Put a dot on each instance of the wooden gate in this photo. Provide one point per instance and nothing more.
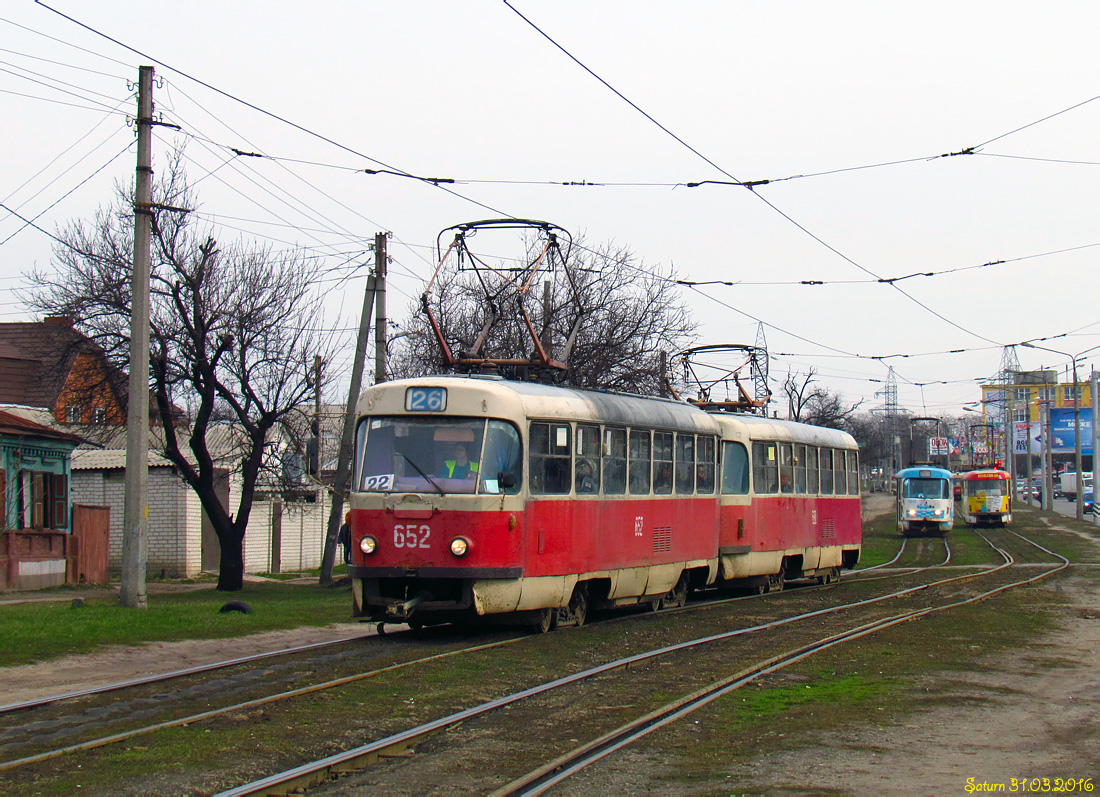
(92, 533)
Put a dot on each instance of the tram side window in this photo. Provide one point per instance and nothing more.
(640, 461)
(765, 467)
(800, 469)
(704, 468)
(587, 465)
(685, 464)
(614, 461)
(812, 479)
(853, 472)
(840, 483)
(786, 468)
(735, 469)
(662, 463)
(550, 463)
(502, 466)
(826, 471)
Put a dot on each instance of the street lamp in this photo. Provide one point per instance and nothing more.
(1076, 426)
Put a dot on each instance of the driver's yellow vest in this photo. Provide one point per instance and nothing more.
(471, 467)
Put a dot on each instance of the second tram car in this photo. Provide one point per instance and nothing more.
(477, 498)
(986, 497)
(925, 500)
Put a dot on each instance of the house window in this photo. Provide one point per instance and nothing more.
(1071, 392)
(99, 415)
(73, 413)
(1022, 394)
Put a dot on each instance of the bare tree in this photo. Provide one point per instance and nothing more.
(234, 331)
(828, 409)
(628, 314)
(815, 405)
(797, 390)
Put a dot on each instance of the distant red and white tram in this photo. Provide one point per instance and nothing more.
(478, 499)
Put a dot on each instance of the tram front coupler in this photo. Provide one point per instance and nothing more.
(404, 611)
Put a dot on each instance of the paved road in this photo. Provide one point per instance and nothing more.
(1068, 508)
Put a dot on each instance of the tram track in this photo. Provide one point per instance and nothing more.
(955, 595)
(38, 728)
(176, 674)
(84, 717)
(65, 725)
(390, 745)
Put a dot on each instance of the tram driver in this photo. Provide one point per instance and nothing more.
(459, 466)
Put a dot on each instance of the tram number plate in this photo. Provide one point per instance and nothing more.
(378, 483)
(411, 535)
(425, 399)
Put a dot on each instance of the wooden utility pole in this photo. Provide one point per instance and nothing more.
(343, 463)
(136, 506)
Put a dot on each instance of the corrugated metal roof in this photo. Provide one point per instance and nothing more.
(111, 459)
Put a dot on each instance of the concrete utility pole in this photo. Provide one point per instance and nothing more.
(1095, 442)
(380, 338)
(1077, 443)
(136, 497)
(343, 463)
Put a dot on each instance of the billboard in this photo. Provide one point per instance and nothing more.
(1062, 428)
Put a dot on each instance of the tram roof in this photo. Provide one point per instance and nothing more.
(927, 471)
(569, 403)
(761, 428)
(985, 473)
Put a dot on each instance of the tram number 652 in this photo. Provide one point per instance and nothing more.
(411, 536)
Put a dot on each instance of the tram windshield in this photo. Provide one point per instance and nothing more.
(408, 454)
(927, 488)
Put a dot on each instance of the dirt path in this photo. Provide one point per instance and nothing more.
(121, 663)
(1034, 715)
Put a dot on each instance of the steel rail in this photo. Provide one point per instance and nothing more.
(152, 679)
(103, 741)
(316, 772)
(554, 772)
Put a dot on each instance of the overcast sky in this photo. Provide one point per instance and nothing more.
(856, 98)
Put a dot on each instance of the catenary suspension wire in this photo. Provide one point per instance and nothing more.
(763, 199)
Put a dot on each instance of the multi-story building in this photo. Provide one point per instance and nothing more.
(1029, 392)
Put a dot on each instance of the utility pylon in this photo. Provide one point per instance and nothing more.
(889, 395)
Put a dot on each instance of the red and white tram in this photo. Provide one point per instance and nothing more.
(477, 498)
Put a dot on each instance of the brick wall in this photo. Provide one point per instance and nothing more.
(303, 535)
(175, 532)
(175, 524)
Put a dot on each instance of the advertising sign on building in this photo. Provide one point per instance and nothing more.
(1023, 433)
(1062, 431)
(938, 446)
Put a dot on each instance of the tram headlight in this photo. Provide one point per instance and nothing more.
(368, 545)
(460, 546)
(938, 513)
(912, 513)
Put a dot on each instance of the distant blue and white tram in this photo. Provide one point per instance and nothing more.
(925, 500)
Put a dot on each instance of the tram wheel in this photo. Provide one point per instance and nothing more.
(577, 610)
(547, 621)
(678, 596)
(775, 582)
